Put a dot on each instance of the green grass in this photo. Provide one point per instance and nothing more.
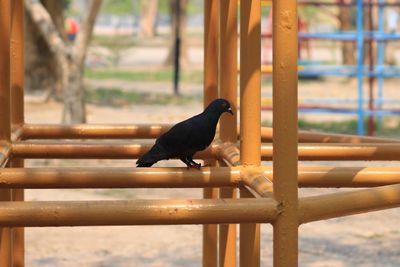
(193, 76)
(113, 43)
(117, 98)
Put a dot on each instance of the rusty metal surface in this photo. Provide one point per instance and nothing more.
(136, 212)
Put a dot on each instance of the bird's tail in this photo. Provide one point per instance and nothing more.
(149, 158)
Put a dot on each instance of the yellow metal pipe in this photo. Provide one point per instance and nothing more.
(210, 234)
(78, 131)
(285, 47)
(317, 137)
(88, 150)
(255, 178)
(347, 176)
(336, 151)
(228, 67)
(5, 118)
(229, 152)
(211, 8)
(322, 176)
(136, 212)
(5, 25)
(227, 234)
(17, 64)
(348, 203)
(249, 238)
(17, 114)
(118, 177)
(250, 81)
(5, 153)
(250, 114)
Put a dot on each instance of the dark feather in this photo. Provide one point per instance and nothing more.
(186, 138)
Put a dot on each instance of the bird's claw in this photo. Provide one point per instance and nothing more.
(194, 165)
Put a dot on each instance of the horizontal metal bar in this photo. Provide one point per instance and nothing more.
(350, 35)
(342, 151)
(318, 176)
(324, 207)
(323, 176)
(5, 152)
(118, 177)
(347, 4)
(137, 212)
(79, 131)
(87, 150)
(319, 137)
(347, 176)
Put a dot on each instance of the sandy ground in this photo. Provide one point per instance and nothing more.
(367, 240)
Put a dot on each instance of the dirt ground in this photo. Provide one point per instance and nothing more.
(367, 240)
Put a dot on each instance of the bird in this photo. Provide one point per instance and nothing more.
(187, 137)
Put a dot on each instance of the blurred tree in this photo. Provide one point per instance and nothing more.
(346, 20)
(183, 55)
(148, 14)
(70, 57)
(41, 69)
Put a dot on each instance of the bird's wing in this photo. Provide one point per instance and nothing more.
(186, 137)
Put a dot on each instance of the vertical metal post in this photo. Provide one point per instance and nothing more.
(371, 78)
(380, 57)
(5, 122)
(360, 65)
(210, 231)
(285, 131)
(250, 114)
(17, 112)
(228, 90)
(249, 239)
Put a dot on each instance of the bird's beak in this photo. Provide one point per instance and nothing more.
(230, 110)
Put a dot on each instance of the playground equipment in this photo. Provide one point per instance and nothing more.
(371, 69)
(267, 195)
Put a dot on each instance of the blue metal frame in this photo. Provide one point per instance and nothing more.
(380, 71)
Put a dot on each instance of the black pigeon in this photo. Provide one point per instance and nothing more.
(184, 139)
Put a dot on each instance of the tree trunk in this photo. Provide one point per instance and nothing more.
(69, 59)
(348, 48)
(184, 58)
(148, 14)
(41, 69)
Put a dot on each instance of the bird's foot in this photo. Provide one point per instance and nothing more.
(193, 165)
